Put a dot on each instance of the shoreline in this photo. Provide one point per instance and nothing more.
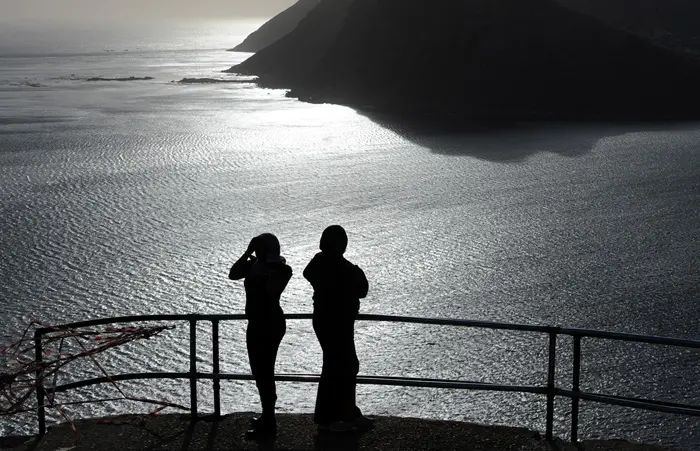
(463, 116)
(297, 432)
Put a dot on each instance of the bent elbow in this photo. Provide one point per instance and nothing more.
(309, 273)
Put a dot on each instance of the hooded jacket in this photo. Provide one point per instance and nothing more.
(338, 284)
(264, 284)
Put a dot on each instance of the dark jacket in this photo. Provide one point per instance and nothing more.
(264, 284)
(338, 284)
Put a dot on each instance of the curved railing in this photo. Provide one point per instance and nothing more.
(549, 389)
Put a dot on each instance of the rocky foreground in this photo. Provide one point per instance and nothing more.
(297, 432)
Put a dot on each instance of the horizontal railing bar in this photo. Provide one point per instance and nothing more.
(118, 378)
(397, 381)
(428, 383)
(631, 337)
(365, 380)
(458, 322)
(651, 401)
(302, 316)
(400, 319)
(659, 406)
(656, 406)
(116, 319)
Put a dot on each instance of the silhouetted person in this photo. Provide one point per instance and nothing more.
(266, 276)
(338, 287)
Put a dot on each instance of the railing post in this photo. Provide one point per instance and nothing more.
(217, 383)
(551, 373)
(193, 367)
(575, 387)
(39, 356)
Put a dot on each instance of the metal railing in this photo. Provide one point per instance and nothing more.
(550, 390)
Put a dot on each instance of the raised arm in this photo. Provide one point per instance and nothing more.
(240, 269)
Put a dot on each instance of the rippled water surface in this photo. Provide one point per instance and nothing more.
(135, 197)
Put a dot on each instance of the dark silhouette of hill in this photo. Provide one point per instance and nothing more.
(277, 27)
(289, 60)
(675, 23)
(668, 22)
(505, 59)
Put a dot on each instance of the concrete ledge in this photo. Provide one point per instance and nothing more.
(297, 432)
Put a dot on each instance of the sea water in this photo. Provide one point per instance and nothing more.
(125, 196)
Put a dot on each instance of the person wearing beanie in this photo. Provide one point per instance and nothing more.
(266, 275)
(338, 287)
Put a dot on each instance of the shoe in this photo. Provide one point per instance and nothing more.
(363, 423)
(342, 426)
(256, 420)
(261, 429)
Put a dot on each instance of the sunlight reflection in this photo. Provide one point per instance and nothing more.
(305, 114)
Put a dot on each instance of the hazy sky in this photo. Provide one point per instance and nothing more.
(121, 10)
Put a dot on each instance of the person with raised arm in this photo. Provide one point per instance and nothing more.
(265, 277)
(338, 287)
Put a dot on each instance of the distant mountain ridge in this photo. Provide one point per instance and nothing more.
(277, 27)
(479, 58)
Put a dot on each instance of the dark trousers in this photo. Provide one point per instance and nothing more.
(263, 339)
(335, 400)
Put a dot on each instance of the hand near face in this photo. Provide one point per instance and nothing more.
(251, 247)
